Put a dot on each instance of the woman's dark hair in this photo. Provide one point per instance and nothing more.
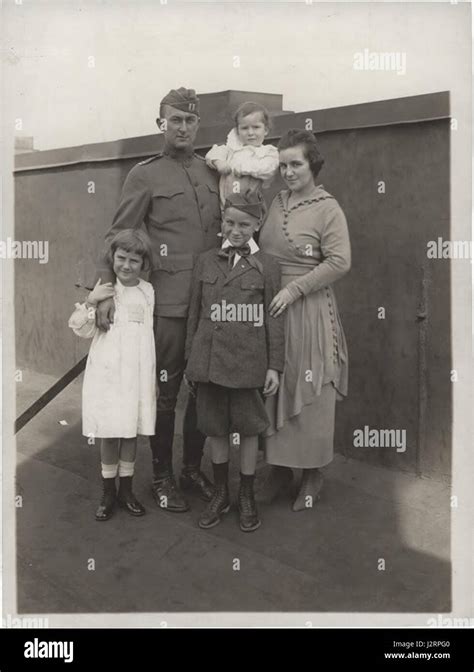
(132, 240)
(249, 108)
(306, 139)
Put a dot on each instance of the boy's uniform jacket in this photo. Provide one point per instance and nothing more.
(233, 354)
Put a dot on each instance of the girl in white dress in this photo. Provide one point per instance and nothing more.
(119, 390)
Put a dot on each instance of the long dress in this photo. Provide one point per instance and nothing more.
(119, 389)
(311, 242)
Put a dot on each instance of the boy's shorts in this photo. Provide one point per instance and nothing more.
(224, 410)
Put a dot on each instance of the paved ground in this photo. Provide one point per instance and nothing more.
(320, 560)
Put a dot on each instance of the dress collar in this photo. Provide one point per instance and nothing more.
(145, 288)
(318, 194)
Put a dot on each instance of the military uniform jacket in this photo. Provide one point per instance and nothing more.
(178, 201)
(234, 353)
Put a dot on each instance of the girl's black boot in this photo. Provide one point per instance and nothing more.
(108, 501)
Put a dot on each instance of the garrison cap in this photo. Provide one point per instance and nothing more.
(250, 202)
(183, 99)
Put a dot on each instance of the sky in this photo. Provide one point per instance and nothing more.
(92, 71)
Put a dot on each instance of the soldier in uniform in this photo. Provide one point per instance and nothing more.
(176, 196)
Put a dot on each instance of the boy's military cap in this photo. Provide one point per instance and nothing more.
(249, 202)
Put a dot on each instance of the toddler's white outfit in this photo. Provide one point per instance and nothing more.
(258, 163)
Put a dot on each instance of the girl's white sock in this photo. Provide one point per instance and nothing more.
(109, 470)
(126, 468)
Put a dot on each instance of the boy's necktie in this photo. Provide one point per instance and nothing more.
(230, 252)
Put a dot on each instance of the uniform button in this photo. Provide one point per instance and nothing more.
(217, 327)
(202, 206)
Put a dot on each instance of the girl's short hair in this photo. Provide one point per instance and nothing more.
(307, 140)
(249, 108)
(131, 240)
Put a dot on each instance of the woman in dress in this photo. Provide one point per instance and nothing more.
(306, 231)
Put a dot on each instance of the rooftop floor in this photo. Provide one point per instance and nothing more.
(322, 560)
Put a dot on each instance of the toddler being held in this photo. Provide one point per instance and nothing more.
(244, 159)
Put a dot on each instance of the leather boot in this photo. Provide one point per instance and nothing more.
(108, 501)
(220, 502)
(192, 480)
(310, 488)
(126, 499)
(278, 480)
(249, 520)
(165, 491)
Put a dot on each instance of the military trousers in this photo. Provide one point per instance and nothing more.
(170, 338)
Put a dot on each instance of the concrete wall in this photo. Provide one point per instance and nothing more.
(399, 366)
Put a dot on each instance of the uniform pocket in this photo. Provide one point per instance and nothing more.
(208, 277)
(168, 204)
(167, 192)
(251, 282)
(171, 279)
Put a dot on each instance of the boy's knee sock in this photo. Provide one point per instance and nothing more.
(247, 482)
(221, 472)
(126, 469)
(109, 470)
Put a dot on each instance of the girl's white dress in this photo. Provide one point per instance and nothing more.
(259, 165)
(119, 390)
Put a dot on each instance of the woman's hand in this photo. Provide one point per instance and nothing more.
(272, 381)
(280, 302)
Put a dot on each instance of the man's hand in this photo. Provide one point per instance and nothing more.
(190, 385)
(104, 315)
(272, 381)
(223, 167)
